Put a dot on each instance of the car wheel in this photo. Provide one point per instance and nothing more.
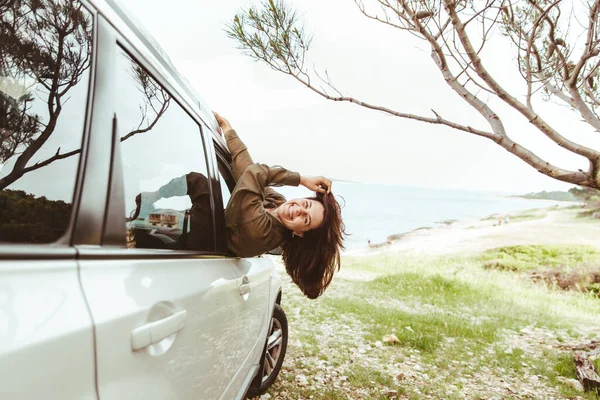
(273, 354)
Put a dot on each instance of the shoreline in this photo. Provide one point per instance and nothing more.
(556, 224)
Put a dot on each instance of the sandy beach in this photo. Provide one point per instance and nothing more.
(553, 225)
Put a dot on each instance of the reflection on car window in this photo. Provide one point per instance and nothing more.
(225, 192)
(44, 78)
(167, 193)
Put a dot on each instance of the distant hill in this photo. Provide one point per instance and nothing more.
(554, 195)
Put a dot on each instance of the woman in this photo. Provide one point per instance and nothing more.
(310, 230)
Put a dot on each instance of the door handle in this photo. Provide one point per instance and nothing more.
(245, 287)
(153, 332)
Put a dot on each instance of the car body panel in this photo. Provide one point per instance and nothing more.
(252, 312)
(126, 294)
(46, 335)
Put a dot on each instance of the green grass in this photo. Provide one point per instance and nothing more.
(445, 313)
(564, 366)
(525, 258)
(310, 344)
(476, 312)
(422, 332)
(365, 377)
(565, 267)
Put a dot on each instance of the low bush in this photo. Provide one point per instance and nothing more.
(566, 267)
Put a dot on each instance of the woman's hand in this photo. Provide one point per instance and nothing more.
(223, 123)
(316, 183)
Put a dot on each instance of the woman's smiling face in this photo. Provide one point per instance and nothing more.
(301, 215)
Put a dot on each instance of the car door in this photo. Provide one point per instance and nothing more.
(163, 306)
(46, 333)
(254, 276)
(253, 308)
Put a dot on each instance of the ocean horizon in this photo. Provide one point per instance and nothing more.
(375, 211)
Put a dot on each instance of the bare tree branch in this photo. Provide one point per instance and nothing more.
(535, 119)
(264, 34)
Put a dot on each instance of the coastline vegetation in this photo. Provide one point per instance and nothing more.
(498, 324)
(463, 331)
(552, 195)
(590, 199)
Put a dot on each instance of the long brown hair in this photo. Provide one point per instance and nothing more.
(311, 260)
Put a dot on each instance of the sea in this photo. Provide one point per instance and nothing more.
(375, 211)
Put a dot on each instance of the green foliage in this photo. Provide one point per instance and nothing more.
(524, 258)
(27, 219)
(584, 193)
(271, 33)
(594, 288)
(591, 199)
(45, 45)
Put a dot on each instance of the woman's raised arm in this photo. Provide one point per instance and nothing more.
(240, 157)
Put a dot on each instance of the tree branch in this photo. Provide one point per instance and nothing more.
(424, 19)
(134, 132)
(438, 120)
(50, 160)
(532, 117)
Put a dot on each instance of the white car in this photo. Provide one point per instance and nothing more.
(115, 280)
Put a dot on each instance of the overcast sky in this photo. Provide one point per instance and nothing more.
(284, 123)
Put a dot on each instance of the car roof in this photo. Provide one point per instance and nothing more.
(125, 22)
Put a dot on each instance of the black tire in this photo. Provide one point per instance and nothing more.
(273, 354)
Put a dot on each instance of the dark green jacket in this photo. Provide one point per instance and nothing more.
(251, 229)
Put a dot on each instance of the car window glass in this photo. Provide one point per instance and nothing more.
(167, 193)
(225, 192)
(44, 81)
